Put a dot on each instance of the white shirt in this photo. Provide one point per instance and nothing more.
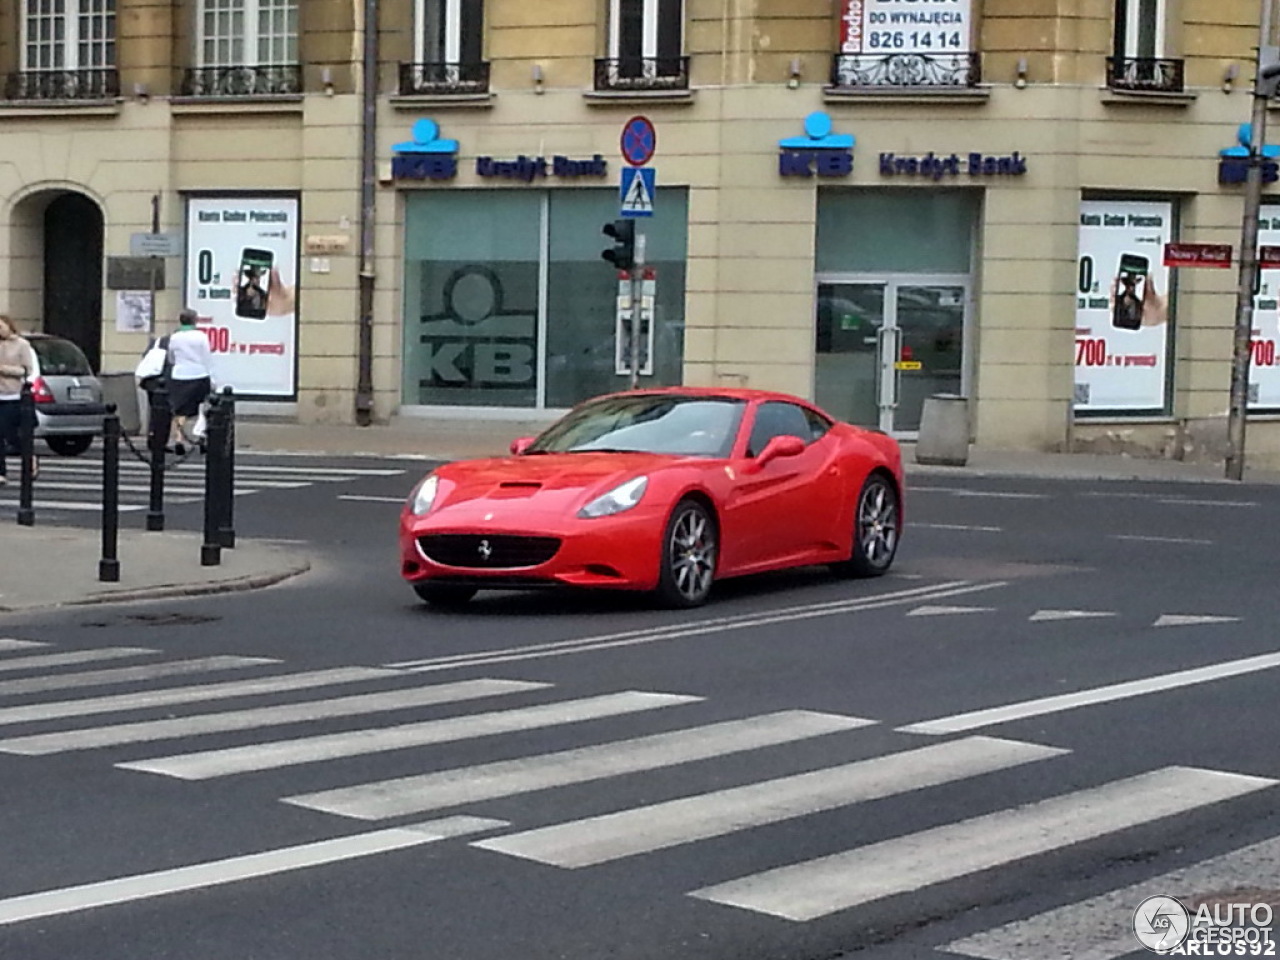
(192, 358)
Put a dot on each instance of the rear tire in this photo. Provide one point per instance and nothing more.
(690, 549)
(69, 446)
(876, 529)
(444, 594)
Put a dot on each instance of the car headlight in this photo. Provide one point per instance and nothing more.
(424, 496)
(620, 498)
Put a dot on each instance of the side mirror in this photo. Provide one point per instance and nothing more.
(784, 446)
(520, 445)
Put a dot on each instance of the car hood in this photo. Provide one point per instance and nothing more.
(556, 482)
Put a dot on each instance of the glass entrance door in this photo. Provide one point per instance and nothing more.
(886, 344)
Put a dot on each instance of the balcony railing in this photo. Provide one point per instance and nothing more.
(101, 83)
(1145, 74)
(852, 71)
(629, 74)
(242, 81)
(444, 79)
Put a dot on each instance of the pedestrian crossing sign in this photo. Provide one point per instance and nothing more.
(637, 191)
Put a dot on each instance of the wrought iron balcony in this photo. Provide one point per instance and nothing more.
(242, 81)
(909, 70)
(1145, 74)
(101, 83)
(629, 74)
(444, 79)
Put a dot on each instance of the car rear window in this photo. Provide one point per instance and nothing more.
(60, 358)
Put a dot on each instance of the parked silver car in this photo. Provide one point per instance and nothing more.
(69, 407)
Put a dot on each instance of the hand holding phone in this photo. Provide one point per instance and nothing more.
(1129, 291)
(253, 283)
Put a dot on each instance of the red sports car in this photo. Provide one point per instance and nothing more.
(662, 490)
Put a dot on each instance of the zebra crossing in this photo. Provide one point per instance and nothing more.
(507, 809)
(75, 484)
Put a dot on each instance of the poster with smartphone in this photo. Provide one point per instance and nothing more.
(1264, 364)
(241, 277)
(1122, 307)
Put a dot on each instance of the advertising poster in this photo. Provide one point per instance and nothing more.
(1122, 306)
(884, 27)
(1264, 365)
(241, 277)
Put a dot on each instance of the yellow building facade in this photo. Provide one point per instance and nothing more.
(864, 202)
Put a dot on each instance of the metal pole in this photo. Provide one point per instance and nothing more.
(227, 480)
(109, 565)
(26, 456)
(1241, 348)
(160, 419)
(156, 262)
(211, 549)
(637, 290)
(368, 200)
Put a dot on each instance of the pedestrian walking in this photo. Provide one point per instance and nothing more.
(17, 365)
(191, 379)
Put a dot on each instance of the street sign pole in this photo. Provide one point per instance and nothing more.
(155, 261)
(637, 272)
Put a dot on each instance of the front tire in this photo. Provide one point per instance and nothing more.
(443, 594)
(69, 446)
(876, 528)
(690, 548)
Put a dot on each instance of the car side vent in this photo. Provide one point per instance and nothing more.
(520, 485)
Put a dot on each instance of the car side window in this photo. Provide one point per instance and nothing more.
(818, 425)
(777, 419)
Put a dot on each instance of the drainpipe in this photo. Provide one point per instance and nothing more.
(368, 200)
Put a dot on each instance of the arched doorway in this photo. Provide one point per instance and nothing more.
(73, 236)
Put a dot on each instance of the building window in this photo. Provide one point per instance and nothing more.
(1138, 61)
(68, 51)
(646, 41)
(448, 49)
(246, 48)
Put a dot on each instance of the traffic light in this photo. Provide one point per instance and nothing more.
(623, 253)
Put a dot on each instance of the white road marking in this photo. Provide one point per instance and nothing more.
(927, 611)
(9, 643)
(98, 678)
(213, 873)
(75, 506)
(820, 887)
(1101, 928)
(696, 628)
(121, 702)
(348, 496)
(43, 660)
(1194, 541)
(582, 843)
(1183, 502)
(957, 526)
(1043, 616)
(207, 764)
(966, 492)
(1190, 620)
(319, 473)
(448, 788)
(1083, 698)
(260, 717)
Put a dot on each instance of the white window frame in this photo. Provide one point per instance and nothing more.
(452, 32)
(245, 45)
(65, 50)
(1134, 28)
(649, 31)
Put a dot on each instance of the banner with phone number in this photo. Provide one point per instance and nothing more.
(241, 276)
(885, 27)
(1122, 298)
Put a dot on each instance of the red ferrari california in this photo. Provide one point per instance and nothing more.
(661, 490)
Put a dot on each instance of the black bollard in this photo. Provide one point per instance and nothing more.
(109, 565)
(161, 418)
(26, 457)
(227, 525)
(214, 467)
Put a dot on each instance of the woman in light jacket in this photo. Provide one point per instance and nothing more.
(17, 365)
(191, 378)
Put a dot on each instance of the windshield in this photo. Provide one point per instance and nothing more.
(60, 358)
(678, 425)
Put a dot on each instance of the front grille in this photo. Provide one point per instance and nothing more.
(493, 552)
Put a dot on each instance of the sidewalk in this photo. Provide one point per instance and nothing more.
(57, 566)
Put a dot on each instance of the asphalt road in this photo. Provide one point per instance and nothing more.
(806, 768)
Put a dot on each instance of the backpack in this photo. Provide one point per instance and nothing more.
(155, 366)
